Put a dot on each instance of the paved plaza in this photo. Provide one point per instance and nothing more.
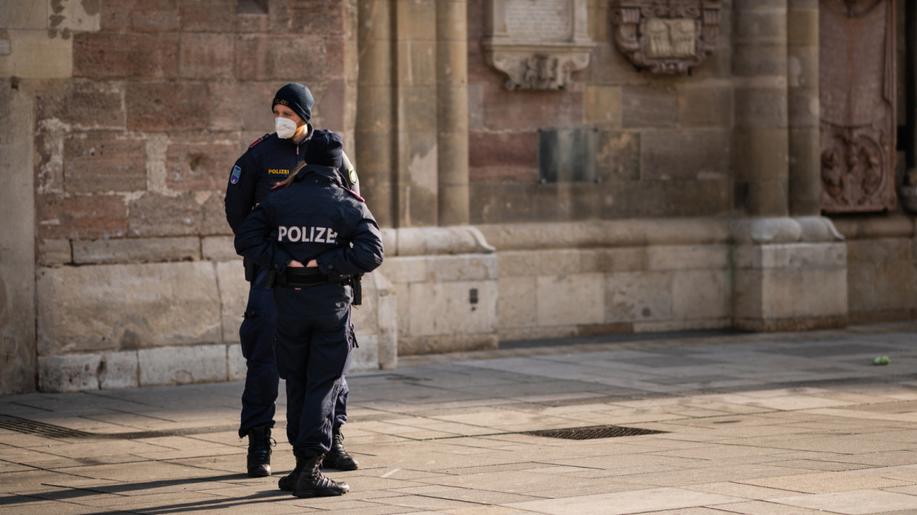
(744, 423)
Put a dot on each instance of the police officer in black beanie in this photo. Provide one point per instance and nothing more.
(268, 161)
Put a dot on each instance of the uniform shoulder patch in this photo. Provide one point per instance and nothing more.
(235, 175)
(259, 140)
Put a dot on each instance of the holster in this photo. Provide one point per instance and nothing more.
(251, 270)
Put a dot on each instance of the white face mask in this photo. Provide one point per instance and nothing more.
(285, 127)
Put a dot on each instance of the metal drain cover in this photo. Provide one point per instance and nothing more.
(591, 432)
(33, 427)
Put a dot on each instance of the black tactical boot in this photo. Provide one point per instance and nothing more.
(288, 482)
(312, 483)
(259, 452)
(338, 457)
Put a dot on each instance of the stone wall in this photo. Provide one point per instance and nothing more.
(662, 143)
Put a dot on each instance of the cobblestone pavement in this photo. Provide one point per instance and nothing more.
(748, 423)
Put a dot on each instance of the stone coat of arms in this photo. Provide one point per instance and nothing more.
(666, 36)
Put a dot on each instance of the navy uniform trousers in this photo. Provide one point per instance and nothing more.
(261, 379)
(314, 340)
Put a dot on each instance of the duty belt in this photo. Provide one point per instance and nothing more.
(304, 277)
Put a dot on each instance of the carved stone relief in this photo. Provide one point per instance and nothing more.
(537, 44)
(666, 36)
(857, 85)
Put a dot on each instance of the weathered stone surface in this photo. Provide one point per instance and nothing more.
(218, 248)
(707, 105)
(213, 214)
(182, 365)
(503, 155)
(434, 269)
(603, 105)
(68, 373)
(35, 55)
(17, 242)
(119, 370)
(688, 257)
(208, 16)
(516, 302)
(685, 154)
(649, 107)
(640, 296)
(103, 162)
(881, 278)
(144, 250)
(121, 307)
(74, 16)
(23, 14)
(617, 155)
(570, 299)
(542, 109)
(81, 216)
(275, 57)
(233, 296)
(241, 105)
(166, 106)
(701, 294)
(794, 285)
(206, 55)
(200, 165)
(160, 215)
(54, 252)
(106, 55)
(448, 308)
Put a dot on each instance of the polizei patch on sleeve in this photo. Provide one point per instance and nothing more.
(306, 234)
(235, 175)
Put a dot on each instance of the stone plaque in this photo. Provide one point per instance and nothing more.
(537, 44)
(666, 36)
(857, 68)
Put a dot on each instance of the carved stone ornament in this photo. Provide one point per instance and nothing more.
(537, 44)
(666, 36)
(857, 93)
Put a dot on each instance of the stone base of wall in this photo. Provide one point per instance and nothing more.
(113, 324)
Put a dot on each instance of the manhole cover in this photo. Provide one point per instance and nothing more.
(591, 432)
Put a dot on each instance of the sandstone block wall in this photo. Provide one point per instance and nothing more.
(663, 144)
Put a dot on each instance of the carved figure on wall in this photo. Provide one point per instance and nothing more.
(857, 105)
(666, 36)
(537, 45)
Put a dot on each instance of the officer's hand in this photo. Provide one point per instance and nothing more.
(312, 264)
(295, 264)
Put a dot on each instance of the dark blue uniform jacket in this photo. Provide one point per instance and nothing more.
(270, 160)
(315, 217)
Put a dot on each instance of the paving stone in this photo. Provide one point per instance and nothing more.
(626, 502)
(858, 501)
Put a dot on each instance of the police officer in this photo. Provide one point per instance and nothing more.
(268, 161)
(314, 219)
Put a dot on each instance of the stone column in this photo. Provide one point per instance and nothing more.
(415, 113)
(761, 139)
(452, 110)
(803, 92)
(788, 273)
(17, 242)
(375, 123)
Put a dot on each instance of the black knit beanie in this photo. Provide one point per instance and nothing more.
(297, 97)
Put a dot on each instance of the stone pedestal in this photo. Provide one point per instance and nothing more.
(789, 275)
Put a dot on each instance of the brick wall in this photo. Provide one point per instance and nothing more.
(165, 95)
(663, 144)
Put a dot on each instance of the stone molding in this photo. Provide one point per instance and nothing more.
(666, 36)
(772, 230)
(431, 241)
(533, 55)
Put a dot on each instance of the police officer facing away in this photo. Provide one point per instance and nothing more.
(269, 160)
(314, 219)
